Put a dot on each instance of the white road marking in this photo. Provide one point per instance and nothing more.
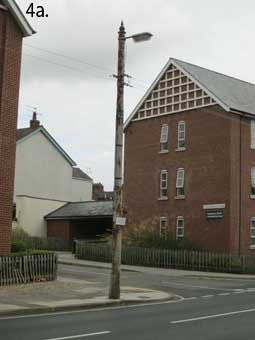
(215, 316)
(191, 298)
(172, 284)
(239, 291)
(207, 296)
(224, 294)
(80, 336)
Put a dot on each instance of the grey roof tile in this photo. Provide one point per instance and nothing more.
(234, 93)
(82, 210)
(80, 174)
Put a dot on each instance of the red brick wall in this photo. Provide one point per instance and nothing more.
(59, 229)
(10, 58)
(248, 204)
(207, 162)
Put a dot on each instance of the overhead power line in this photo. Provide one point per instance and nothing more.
(101, 68)
(142, 84)
(63, 65)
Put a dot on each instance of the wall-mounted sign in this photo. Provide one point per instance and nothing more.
(217, 214)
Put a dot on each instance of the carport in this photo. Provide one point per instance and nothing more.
(80, 220)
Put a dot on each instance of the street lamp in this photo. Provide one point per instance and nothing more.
(118, 220)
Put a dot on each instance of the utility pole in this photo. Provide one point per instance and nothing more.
(118, 220)
(116, 231)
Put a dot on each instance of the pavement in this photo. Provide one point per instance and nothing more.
(170, 304)
(84, 287)
(68, 259)
(69, 293)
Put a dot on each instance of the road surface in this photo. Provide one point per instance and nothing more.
(210, 309)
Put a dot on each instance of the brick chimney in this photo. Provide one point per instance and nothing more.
(34, 123)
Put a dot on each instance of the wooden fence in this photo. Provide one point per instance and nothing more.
(25, 269)
(165, 258)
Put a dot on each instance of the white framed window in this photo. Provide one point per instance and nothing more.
(163, 226)
(180, 182)
(164, 138)
(252, 232)
(179, 227)
(253, 181)
(163, 183)
(252, 134)
(181, 135)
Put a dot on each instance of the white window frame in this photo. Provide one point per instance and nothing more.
(180, 179)
(164, 138)
(252, 232)
(178, 227)
(252, 134)
(163, 183)
(181, 135)
(252, 181)
(163, 229)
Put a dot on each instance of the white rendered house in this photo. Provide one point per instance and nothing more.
(45, 178)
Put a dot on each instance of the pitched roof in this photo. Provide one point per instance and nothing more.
(80, 174)
(23, 134)
(19, 17)
(230, 93)
(236, 94)
(82, 210)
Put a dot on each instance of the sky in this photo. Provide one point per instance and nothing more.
(67, 66)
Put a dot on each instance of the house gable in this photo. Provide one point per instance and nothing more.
(182, 86)
(173, 91)
(24, 134)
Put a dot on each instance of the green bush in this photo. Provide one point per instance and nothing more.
(31, 252)
(32, 242)
(147, 235)
(18, 246)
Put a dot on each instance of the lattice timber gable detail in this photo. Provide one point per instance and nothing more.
(175, 92)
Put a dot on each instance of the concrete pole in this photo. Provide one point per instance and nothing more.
(116, 231)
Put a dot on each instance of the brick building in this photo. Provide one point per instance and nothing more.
(13, 27)
(190, 158)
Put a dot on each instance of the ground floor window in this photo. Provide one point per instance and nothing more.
(163, 226)
(179, 227)
(252, 226)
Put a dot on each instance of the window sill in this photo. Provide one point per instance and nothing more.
(252, 197)
(180, 149)
(180, 197)
(162, 198)
(163, 151)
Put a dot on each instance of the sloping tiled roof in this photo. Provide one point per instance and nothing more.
(80, 174)
(19, 17)
(230, 93)
(82, 210)
(21, 133)
(236, 94)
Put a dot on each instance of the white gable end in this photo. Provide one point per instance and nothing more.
(174, 92)
(41, 170)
